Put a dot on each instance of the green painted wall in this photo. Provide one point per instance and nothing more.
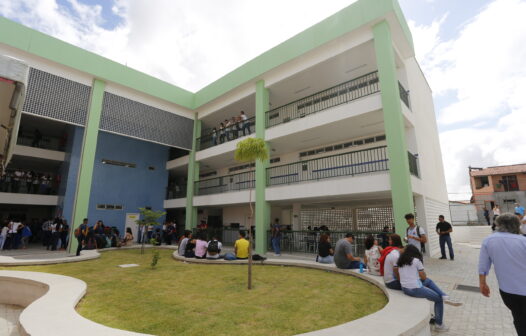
(193, 176)
(401, 190)
(87, 158)
(262, 217)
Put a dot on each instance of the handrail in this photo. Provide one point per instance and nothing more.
(333, 96)
(221, 136)
(344, 164)
(239, 181)
(404, 95)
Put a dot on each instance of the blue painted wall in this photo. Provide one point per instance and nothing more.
(69, 172)
(130, 187)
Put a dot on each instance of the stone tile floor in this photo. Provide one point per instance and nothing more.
(9, 320)
(478, 315)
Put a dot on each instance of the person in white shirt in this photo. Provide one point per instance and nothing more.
(496, 213)
(3, 236)
(410, 272)
(523, 225)
(415, 235)
(389, 259)
(213, 249)
(246, 124)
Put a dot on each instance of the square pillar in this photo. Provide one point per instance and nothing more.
(87, 161)
(193, 177)
(262, 216)
(401, 189)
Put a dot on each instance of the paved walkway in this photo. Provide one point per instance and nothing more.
(9, 320)
(479, 315)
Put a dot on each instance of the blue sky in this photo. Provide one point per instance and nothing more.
(472, 52)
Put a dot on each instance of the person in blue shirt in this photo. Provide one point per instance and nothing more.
(519, 209)
(506, 249)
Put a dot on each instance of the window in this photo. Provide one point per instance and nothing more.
(101, 206)
(380, 138)
(509, 183)
(369, 140)
(481, 182)
(358, 142)
(275, 160)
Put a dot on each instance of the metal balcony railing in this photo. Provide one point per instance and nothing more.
(413, 164)
(337, 95)
(226, 183)
(346, 164)
(176, 191)
(232, 132)
(404, 95)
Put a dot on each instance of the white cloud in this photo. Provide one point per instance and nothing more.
(484, 68)
(189, 43)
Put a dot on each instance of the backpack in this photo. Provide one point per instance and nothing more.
(213, 246)
(422, 243)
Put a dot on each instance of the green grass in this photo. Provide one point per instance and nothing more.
(189, 299)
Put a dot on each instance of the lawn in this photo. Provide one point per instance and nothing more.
(187, 299)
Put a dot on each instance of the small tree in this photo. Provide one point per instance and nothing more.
(251, 150)
(148, 218)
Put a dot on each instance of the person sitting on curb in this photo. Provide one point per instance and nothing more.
(241, 246)
(388, 261)
(182, 243)
(410, 272)
(213, 250)
(343, 257)
(372, 255)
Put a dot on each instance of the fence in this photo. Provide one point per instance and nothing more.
(334, 96)
(351, 163)
(226, 183)
(218, 137)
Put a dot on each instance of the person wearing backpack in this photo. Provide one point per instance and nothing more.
(214, 248)
(415, 235)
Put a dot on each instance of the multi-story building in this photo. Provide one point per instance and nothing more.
(343, 106)
(500, 185)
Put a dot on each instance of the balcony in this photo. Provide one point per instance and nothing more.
(228, 183)
(176, 191)
(346, 164)
(43, 142)
(413, 164)
(334, 96)
(230, 133)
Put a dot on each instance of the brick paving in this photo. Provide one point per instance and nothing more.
(478, 315)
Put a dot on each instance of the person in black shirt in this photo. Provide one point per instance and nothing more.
(444, 229)
(325, 251)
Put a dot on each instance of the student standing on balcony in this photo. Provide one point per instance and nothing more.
(276, 237)
(214, 136)
(221, 133)
(246, 124)
(227, 129)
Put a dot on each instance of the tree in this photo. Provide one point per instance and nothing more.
(251, 150)
(149, 218)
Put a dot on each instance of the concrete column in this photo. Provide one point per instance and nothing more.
(262, 217)
(87, 161)
(193, 176)
(401, 189)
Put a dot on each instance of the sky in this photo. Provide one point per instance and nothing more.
(473, 54)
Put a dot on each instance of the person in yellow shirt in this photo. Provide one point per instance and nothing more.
(241, 246)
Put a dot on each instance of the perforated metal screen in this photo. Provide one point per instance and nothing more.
(128, 117)
(368, 219)
(56, 97)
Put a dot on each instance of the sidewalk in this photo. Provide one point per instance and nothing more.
(478, 315)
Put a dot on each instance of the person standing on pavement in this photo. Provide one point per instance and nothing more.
(486, 215)
(415, 235)
(496, 213)
(519, 209)
(81, 233)
(444, 229)
(506, 249)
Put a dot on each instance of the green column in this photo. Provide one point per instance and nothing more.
(87, 160)
(401, 190)
(193, 176)
(262, 217)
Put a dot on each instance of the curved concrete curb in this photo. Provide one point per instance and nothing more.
(50, 302)
(403, 315)
(84, 255)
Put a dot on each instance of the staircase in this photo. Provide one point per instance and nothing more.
(478, 233)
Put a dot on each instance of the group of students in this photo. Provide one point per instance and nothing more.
(401, 267)
(14, 235)
(29, 182)
(55, 234)
(100, 236)
(231, 129)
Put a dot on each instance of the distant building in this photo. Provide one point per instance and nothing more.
(502, 185)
